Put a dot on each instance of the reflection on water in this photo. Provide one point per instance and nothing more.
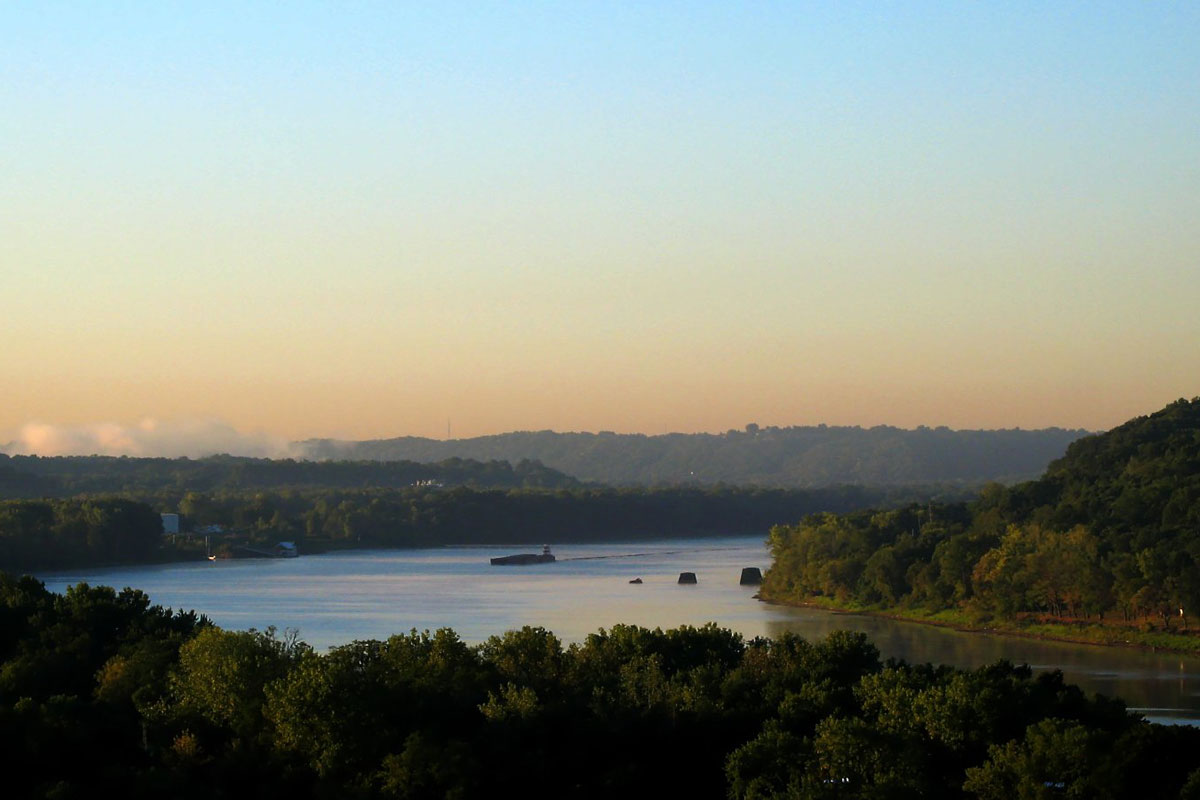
(1162, 686)
(340, 597)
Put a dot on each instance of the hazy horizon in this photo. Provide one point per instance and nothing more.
(199, 438)
(247, 224)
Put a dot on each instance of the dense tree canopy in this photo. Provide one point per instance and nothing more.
(102, 692)
(99, 530)
(1113, 527)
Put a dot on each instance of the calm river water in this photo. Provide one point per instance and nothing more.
(339, 597)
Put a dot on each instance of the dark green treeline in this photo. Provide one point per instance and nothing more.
(36, 534)
(102, 692)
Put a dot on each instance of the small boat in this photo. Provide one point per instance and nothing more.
(520, 559)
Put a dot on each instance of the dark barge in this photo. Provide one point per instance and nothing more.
(520, 559)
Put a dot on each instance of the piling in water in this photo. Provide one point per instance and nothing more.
(751, 576)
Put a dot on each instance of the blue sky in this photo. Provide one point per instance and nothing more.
(361, 219)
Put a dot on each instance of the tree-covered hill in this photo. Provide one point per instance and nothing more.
(1113, 527)
(1143, 474)
(769, 456)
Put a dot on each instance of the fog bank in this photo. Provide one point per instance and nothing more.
(148, 438)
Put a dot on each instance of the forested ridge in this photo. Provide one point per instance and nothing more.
(815, 456)
(67, 476)
(1111, 530)
(102, 693)
(805, 456)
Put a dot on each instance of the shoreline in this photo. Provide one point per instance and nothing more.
(1016, 632)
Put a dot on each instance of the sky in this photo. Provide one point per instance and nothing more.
(361, 220)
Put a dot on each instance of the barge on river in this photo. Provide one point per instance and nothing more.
(521, 559)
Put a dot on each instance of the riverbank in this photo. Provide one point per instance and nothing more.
(1073, 631)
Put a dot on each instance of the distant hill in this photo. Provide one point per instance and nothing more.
(65, 476)
(776, 457)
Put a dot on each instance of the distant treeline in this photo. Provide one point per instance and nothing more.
(40, 533)
(103, 694)
(44, 533)
(766, 456)
(65, 476)
(1111, 528)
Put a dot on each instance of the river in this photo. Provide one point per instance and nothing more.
(340, 597)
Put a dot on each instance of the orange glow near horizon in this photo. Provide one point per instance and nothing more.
(362, 225)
